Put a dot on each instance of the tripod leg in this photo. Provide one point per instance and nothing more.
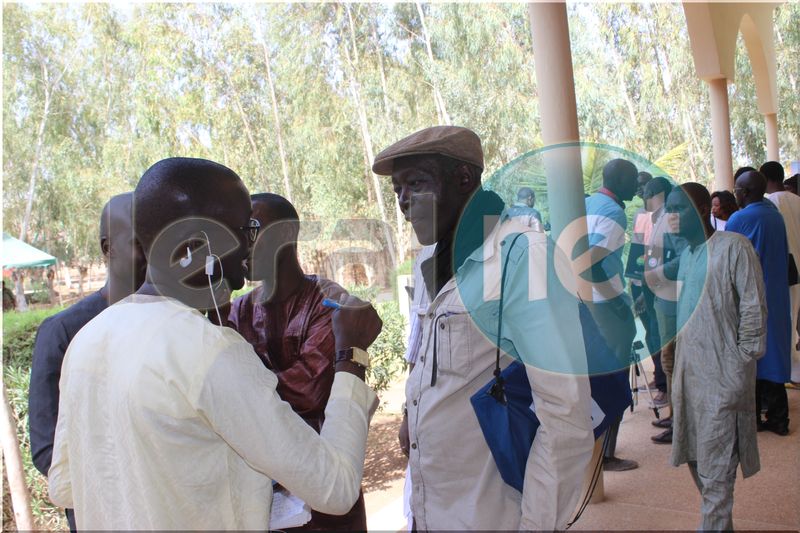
(649, 392)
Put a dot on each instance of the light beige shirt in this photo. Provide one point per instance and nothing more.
(789, 205)
(455, 482)
(167, 421)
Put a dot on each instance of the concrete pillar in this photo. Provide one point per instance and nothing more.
(721, 134)
(558, 114)
(771, 122)
(559, 123)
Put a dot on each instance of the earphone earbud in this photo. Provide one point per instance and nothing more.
(210, 265)
(186, 261)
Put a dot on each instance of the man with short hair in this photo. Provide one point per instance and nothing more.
(713, 386)
(791, 184)
(436, 175)
(611, 306)
(291, 331)
(642, 296)
(660, 272)
(167, 421)
(761, 222)
(789, 206)
(125, 273)
(524, 206)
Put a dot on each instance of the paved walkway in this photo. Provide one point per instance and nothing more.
(654, 496)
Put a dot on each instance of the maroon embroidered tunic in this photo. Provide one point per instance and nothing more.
(294, 338)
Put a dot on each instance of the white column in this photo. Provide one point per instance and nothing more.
(555, 85)
(771, 123)
(721, 134)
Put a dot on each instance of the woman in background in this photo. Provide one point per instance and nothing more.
(723, 205)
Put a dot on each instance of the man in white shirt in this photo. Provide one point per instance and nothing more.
(456, 484)
(167, 421)
(788, 204)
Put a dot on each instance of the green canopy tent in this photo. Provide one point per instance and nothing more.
(17, 254)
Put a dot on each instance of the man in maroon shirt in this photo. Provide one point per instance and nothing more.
(290, 329)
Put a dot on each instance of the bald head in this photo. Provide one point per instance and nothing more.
(185, 205)
(182, 187)
(750, 188)
(124, 256)
(272, 208)
(117, 215)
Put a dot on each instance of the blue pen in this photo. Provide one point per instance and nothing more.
(330, 303)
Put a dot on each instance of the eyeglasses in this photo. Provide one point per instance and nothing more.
(251, 229)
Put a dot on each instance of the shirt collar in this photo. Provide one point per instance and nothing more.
(607, 192)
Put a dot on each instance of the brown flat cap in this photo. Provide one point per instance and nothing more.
(455, 142)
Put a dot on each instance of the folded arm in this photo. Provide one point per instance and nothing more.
(240, 401)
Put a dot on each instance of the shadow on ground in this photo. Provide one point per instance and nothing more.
(384, 461)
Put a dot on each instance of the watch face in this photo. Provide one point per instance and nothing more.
(361, 357)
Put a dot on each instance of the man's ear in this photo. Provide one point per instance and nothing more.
(105, 246)
(465, 181)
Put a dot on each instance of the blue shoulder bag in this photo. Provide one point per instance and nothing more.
(503, 406)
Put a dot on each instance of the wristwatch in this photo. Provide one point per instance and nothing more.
(354, 355)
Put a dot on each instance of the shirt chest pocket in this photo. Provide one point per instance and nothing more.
(453, 347)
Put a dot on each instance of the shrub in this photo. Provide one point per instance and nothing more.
(19, 333)
(387, 352)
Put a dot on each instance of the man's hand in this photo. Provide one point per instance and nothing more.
(402, 435)
(356, 324)
(640, 306)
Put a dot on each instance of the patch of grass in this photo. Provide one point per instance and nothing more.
(19, 334)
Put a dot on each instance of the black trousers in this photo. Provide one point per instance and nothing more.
(652, 337)
(774, 394)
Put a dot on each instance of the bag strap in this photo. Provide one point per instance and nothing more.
(497, 391)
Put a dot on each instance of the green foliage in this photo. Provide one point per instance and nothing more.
(19, 334)
(127, 86)
(387, 352)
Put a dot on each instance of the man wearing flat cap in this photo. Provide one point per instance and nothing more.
(436, 174)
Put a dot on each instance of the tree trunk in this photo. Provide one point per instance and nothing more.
(20, 496)
(368, 176)
(367, 140)
(247, 130)
(37, 153)
(82, 271)
(19, 290)
(287, 187)
(441, 110)
(381, 70)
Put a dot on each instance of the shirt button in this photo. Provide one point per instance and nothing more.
(422, 358)
(441, 326)
(414, 402)
(413, 445)
(430, 315)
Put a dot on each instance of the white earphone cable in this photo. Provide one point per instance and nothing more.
(221, 279)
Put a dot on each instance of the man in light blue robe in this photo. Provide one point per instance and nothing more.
(761, 222)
